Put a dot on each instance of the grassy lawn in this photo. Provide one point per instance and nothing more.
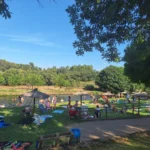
(136, 141)
(55, 125)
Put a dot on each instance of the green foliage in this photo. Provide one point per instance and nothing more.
(112, 79)
(136, 87)
(49, 75)
(2, 79)
(147, 89)
(14, 77)
(108, 23)
(4, 9)
(63, 76)
(34, 79)
(137, 62)
(89, 87)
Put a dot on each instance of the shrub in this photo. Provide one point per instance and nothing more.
(89, 87)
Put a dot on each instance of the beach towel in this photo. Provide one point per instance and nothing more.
(40, 119)
(15, 145)
(58, 111)
(3, 124)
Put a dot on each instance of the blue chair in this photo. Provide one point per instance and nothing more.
(76, 133)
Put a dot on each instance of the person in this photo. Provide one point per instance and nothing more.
(27, 111)
(97, 112)
(69, 102)
(76, 104)
(19, 101)
(54, 101)
(47, 104)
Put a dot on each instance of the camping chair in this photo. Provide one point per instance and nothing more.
(42, 108)
(73, 113)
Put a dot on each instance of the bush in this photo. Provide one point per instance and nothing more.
(89, 87)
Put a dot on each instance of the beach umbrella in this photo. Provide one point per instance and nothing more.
(35, 94)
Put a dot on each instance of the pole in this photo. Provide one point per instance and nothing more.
(106, 111)
(138, 106)
(33, 106)
(81, 99)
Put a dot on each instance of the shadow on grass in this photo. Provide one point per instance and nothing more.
(31, 132)
(137, 141)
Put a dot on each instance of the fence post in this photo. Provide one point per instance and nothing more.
(133, 108)
(81, 99)
(106, 111)
(139, 106)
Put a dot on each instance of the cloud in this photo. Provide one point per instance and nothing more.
(35, 39)
(23, 51)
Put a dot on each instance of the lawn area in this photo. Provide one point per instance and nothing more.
(135, 141)
(56, 124)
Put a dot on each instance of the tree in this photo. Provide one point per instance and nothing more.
(14, 77)
(2, 79)
(112, 79)
(108, 22)
(49, 75)
(4, 9)
(137, 61)
(34, 79)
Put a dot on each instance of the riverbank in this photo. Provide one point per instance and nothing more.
(51, 90)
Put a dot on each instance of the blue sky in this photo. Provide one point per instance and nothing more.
(43, 36)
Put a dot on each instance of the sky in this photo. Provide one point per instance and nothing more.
(44, 36)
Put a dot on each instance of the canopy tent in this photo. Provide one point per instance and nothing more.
(140, 94)
(107, 94)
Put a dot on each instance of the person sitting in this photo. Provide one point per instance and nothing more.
(72, 112)
(27, 111)
(97, 112)
(76, 104)
(114, 109)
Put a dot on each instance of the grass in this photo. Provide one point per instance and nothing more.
(55, 125)
(135, 141)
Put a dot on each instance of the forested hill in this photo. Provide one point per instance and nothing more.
(29, 74)
(5, 65)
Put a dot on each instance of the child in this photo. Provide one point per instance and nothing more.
(97, 112)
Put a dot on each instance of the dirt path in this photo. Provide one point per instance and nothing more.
(111, 128)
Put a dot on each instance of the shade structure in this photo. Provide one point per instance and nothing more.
(107, 94)
(35, 94)
(140, 94)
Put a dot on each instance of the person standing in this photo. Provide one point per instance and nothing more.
(54, 101)
(69, 102)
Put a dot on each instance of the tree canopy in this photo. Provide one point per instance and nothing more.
(29, 74)
(137, 58)
(109, 22)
